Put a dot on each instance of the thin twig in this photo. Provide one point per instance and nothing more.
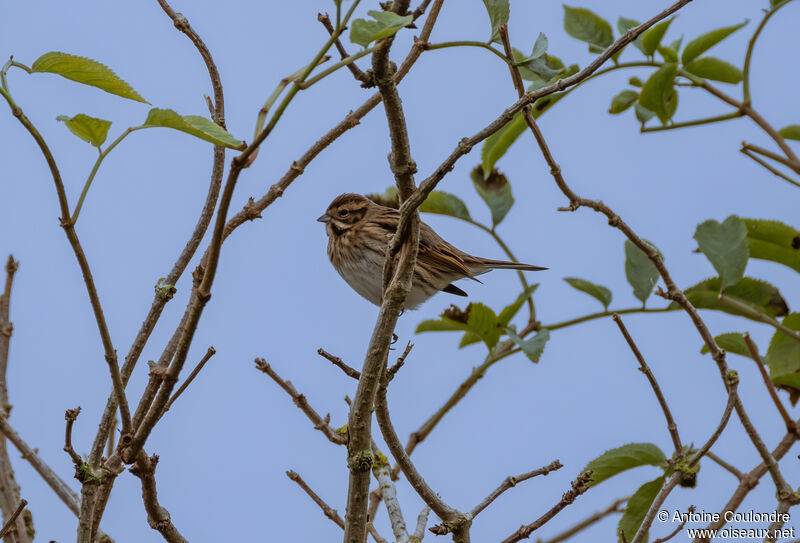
(725, 465)
(336, 361)
(579, 486)
(512, 481)
(726, 415)
(769, 167)
(320, 423)
(791, 425)
(758, 315)
(211, 352)
(157, 516)
(401, 359)
(9, 525)
(769, 154)
(644, 527)
(329, 512)
(164, 293)
(588, 521)
(748, 482)
(644, 368)
(354, 69)
(676, 530)
(70, 415)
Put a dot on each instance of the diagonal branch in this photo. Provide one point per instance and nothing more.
(320, 423)
(579, 486)
(512, 481)
(644, 368)
(791, 425)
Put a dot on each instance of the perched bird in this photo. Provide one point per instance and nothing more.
(358, 236)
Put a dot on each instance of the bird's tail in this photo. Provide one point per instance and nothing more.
(504, 265)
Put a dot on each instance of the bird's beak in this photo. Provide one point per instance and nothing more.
(324, 218)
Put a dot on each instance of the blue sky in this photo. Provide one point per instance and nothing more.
(226, 443)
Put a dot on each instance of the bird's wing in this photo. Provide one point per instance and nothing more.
(439, 256)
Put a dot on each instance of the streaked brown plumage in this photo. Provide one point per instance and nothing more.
(358, 235)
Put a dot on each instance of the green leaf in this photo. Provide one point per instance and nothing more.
(715, 69)
(791, 132)
(775, 241)
(532, 347)
(197, 126)
(758, 294)
(498, 15)
(539, 47)
(651, 38)
(512, 309)
(89, 129)
(476, 318)
(783, 355)
(540, 68)
(703, 43)
(498, 143)
(733, 342)
(624, 24)
(642, 113)
(670, 52)
(584, 25)
(384, 24)
(628, 456)
(724, 245)
(439, 202)
(635, 82)
(444, 203)
(599, 292)
(641, 273)
(86, 71)
(659, 94)
(636, 509)
(623, 101)
(495, 191)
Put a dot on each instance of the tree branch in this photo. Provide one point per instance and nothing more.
(512, 481)
(157, 516)
(336, 361)
(211, 352)
(588, 521)
(10, 523)
(791, 425)
(671, 426)
(579, 486)
(321, 424)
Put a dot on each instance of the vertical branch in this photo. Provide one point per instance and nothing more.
(157, 516)
(395, 289)
(10, 492)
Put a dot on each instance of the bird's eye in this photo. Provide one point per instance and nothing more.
(343, 212)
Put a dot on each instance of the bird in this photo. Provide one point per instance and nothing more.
(359, 231)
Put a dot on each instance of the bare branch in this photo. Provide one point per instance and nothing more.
(644, 527)
(671, 426)
(726, 415)
(401, 359)
(453, 520)
(70, 416)
(725, 465)
(321, 424)
(9, 525)
(676, 530)
(579, 486)
(211, 352)
(588, 521)
(157, 516)
(354, 69)
(336, 361)
(512, 481)
(389, 493)
(329, 512)
(422, 522)
(791, 425)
